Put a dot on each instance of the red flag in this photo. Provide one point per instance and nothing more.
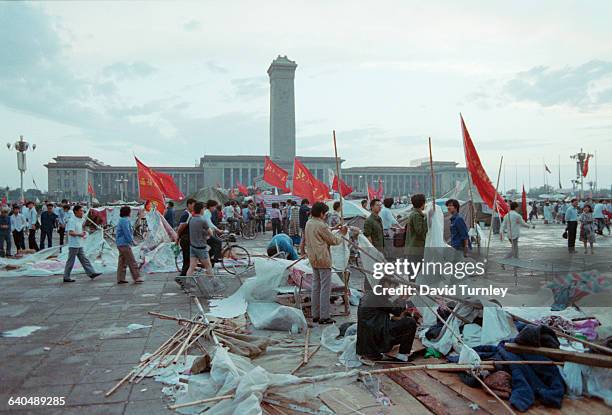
(242, 189)
(148, 186)
(90, 190)
(585, 168)
(380, 193)
(303, 181)
(4, 202)
(345, 189)
(372, 194)
(274, 175)
(524, 204)
(479, 176)
(168, 186)
(320, 191)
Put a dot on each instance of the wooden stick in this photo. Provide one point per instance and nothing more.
(296, 261)
(305, 361)
(185, 343)
(469, 178)
(433, 177)
(121, 382)
(504, 404)
(338, 175)
(201, 401)
(590, 359)
(494, 209)
(179, 319)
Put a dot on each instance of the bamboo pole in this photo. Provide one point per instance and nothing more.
(501, 162)
(433, 176)
(306, 340)
(201, 401)
(469, 177)
(338, 175)
(305, 361)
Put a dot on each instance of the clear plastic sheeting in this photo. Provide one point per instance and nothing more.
(346, 345)
(588, 381)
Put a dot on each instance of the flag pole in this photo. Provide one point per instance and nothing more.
(469, 177)
(433, 177)
(339, 178)
(501, 162)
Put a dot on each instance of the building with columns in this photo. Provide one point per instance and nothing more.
(68, 176)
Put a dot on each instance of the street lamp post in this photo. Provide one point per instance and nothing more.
(122, 182)
(580, 158)
(21, 147)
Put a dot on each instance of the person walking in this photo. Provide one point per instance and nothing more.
(416, 229)
(587, 228)
(276, 219)
(199, 232)
(571, 223)
(18, 228)
(317, 240)
(169, 214)
(511, 226)
(373, 226)
(124, 237)
(5, 232)
(183, 234)
(460, 237)
(598, 217)
(31, 217)
(76, 236)
(48, 222)
(294, 222)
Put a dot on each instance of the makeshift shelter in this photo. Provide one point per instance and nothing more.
(461, 192)
(202, 195)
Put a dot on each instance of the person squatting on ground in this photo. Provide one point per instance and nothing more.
(317, 240)
(124, 237)
(382, 324)
(587, 228)
(76, 236)
(282, 243)
(511, 226)
(48, 222)
(199, 232)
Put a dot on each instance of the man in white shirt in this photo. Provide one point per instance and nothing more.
(598, 217)
(213, 241)
(388, 220)
(76, 235)
(31, 217)
(511, 226)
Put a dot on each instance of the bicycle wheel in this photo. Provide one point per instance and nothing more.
(178, 257)
(236, 260)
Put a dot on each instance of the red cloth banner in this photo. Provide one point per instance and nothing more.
(320, 191)
(345, 189)
(479, 176)
(168, 186)
(242, 189)
(585, 168)
(148, 187)
(372, 194)
(380, 193)
(90, 189)
(303, 181)
(524, 204)
(274, 175)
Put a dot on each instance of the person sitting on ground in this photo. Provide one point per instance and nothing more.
(199, 232)
(382, 324)
(282, 243)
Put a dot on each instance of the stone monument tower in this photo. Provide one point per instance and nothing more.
(282, 110)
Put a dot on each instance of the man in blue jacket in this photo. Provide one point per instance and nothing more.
(48, 221)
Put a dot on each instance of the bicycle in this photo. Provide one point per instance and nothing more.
(247, 230)
(235, 259)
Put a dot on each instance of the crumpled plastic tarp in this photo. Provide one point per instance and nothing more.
(346, 345)
(588, 381)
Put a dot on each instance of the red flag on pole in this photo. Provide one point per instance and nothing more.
(148, 186)
(380, 193)
(585, 168)
(479, 176)
(242, 189)
(524, 204)
(168, 186)
(372, 194)
(90, 189)
(303, 181)
(345, 189)
(274, 175)
(320, 191)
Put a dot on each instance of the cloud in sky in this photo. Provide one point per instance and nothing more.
(95, 78)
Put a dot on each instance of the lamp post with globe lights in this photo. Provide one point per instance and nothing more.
(21, 147)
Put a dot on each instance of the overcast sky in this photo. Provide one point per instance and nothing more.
(172, 81)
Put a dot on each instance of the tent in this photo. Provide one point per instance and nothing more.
(202, 195)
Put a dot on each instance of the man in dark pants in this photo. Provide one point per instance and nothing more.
(571, 223)
(381, 325)
(31, 216)
(48, 220)
(183, 231)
